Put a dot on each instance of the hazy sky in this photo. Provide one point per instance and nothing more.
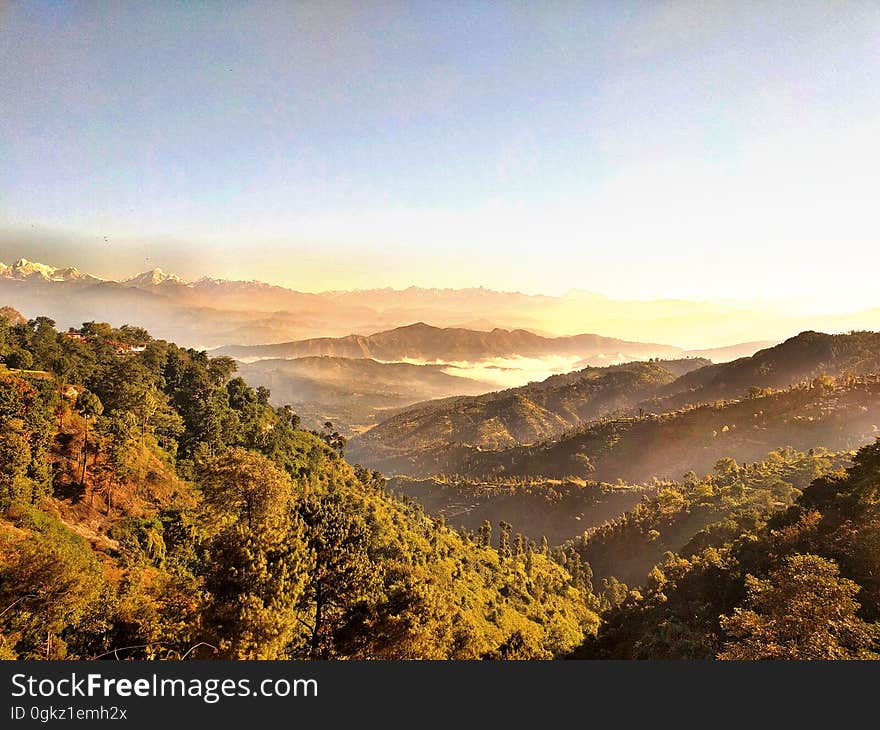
(688, 149)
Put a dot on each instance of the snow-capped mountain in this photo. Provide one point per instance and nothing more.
(25, 270)
(154, 277)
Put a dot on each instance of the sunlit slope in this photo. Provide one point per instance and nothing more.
(636, 449)
(521, 415)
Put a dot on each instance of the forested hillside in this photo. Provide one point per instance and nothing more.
(799, 359)
(659, 418)
(801, 583)
(153, 505)
(353, 393)
(836, 413)
(555, 509)
(520, 415)
(699, 512)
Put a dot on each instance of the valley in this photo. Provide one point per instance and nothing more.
(622, 454)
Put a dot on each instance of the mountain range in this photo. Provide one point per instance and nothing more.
(212, 312)
(352, 393)
(24, 270)
(521, 415)
(813, 390)
(424, 342)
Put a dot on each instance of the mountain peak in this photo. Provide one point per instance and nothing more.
(23, 267)
(26, 269)
(418, 326)
(154, 277)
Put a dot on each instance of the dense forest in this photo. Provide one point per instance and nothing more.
(840, 413)
(800, 583)
(155, 506)
(644, 420)
(558, 509)
(521, 415)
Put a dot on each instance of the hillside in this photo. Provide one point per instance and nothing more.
(154, 506)
(423, 342)
(555, 509)
(838, 416)
(798, 582)
(701, 512)
(461, 434)
(520, 415)
(798, 359)
(352, 393)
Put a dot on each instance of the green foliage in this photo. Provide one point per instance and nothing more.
(51, 590)
(25, 433)
(800, 584)
(802, 610)
(265, 543)
(698, 514)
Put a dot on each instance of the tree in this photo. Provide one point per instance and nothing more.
(802, 610)
(485, 534)
(89, 406)
(26, 429)
(241, 486)
(221, 369)
(726, 470)
(287, 417)
(120, 427)
(44, 342)
(530, 560)
(256, 555)
(504, 540)
(614, 591)
(15, 455)
(19, 359)
(341, 573)
(518, 546)
(333, 439)
(50, 585)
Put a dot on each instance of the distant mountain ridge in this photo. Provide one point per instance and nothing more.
(797, 359)
(202, 314)
(424, 342)
(210, 312)
(520, 415)
(352, 393)
(154, 277)
(695, 429)
(24, 270)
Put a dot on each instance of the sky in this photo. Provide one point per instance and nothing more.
(638, 149)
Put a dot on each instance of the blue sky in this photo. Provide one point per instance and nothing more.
(695, 149)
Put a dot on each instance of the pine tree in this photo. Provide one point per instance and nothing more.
(89, 407)
(504, 541)
(518, 546)
(530, 560)
(485, 534)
